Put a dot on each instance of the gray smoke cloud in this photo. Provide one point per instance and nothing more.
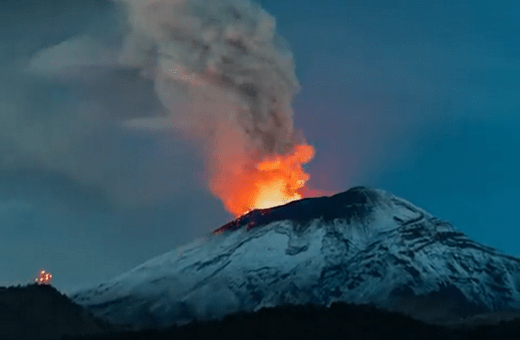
(224, 54)
(236, 73)
(220, 72)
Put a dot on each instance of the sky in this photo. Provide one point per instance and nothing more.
(419, 98)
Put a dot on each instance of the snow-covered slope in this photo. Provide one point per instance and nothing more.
(363, 246)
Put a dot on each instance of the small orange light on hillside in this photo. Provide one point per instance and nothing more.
(44, 278)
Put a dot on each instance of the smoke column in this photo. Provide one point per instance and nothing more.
(238, 81)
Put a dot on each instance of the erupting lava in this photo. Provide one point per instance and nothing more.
(281, 178)
(274, 181)
(44, 278)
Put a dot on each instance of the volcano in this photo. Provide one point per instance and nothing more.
(363, 246)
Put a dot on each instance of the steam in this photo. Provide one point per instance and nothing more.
(235, 72)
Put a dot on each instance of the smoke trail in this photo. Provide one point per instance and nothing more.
(235, 71)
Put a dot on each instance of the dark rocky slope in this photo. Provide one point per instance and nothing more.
(41, 312)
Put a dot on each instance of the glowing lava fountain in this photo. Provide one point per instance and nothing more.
(273, 181)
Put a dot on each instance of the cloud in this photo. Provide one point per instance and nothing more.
(67, 59)
(215, 73)
(62, 110)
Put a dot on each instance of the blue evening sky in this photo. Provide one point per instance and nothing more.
(419, 98)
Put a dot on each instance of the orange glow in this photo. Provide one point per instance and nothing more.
(44, 278)
(273, 181)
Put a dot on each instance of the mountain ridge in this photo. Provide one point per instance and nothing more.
(352, 199)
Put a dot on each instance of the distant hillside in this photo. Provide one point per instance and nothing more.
(41, 312)
(310, 322)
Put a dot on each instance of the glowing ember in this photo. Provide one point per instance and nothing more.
(274, 181)
(44, 278)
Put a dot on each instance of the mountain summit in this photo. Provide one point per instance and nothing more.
(361, 246)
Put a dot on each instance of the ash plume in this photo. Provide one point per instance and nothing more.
(234, 72)
(224, 54)
(222, 78)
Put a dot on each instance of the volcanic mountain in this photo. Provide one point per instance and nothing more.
(361, 246)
